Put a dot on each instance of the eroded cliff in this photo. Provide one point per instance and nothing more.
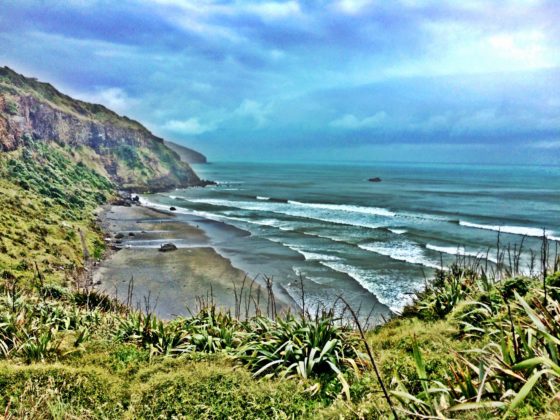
(117, 147)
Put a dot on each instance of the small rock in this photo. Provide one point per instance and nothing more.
(119, 236)
(167, 248)
(131, 234)
(375, 179)
(122, 202)
(172, 208)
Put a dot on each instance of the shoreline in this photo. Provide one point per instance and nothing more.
(179, 282)
(236, 247)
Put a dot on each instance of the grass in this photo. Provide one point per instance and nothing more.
(47, 204)
(59, 391)
(215, 390)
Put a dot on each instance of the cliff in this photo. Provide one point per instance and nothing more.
(115, 146)
(186, 154)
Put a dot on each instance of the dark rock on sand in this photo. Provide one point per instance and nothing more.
(375, 179)
(172, 208)
(122, 202)
(167, 248)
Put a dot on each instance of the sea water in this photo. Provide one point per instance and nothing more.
(374, 242)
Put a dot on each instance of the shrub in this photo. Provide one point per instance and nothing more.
(36, 390)
(12, 107)
(516, 284)
(204, 391)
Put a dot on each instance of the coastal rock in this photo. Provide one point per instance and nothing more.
(122, 202)
(172, 208)
(167, 248)
(375, 179)
(119, 236)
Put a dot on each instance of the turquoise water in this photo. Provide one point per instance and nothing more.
(345, 235)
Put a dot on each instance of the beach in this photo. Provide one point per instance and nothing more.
(170, 283)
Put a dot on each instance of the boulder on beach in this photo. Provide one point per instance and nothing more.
(167, 247)
(172, 208)
(375, 179)
(124, 202)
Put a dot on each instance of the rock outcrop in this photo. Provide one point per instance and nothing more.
(117, 147)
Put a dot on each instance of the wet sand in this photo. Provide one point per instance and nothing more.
(169, 283)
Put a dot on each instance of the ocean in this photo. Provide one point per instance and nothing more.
(374, 243)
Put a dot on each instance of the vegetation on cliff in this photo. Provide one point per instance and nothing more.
(116, 147)
(47, 204)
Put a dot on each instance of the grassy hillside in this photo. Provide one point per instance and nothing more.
(47, 204)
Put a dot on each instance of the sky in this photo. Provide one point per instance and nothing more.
(401, 80)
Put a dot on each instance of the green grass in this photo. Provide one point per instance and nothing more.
(46, 201)
(214, 389)
(59, 391)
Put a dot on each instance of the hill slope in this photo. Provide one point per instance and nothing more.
(117, 147)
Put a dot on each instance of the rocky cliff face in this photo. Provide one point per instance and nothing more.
(117, 147)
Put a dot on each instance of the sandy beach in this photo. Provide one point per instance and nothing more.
(169, 283)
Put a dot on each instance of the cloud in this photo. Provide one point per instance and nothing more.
(351, 122)
(274, 10)
(546, 144)
(254, 110)
(267, 10)
(352, 6)
(114, 98)
(191, 126)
